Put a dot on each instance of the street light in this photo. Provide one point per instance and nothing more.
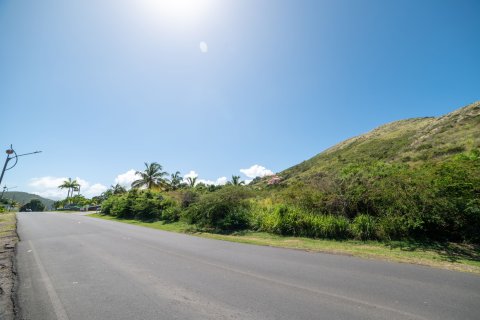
(9, 153)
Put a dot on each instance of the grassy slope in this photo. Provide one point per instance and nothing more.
(410, 141)
(460, 257)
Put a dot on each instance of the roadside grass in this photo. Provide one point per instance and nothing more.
(8, 239)
(450, 256)
(7, 224)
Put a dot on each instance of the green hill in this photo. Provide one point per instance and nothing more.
(410, 178)
(24, 197)
(412, 141)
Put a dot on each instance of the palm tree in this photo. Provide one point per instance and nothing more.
(71, 186)
(153, 176)
(175, 180)
(75, 187)
(236, 181)
(191, 181)
(117, 189)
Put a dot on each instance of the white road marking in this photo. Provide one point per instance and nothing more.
(52, 294)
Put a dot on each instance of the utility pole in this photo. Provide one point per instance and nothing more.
(5, 189)
(15, 156)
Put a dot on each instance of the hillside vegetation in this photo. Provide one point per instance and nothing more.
(24, 197)
(411, 179)
(413, 141)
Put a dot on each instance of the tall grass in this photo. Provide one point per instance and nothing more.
(290, 220)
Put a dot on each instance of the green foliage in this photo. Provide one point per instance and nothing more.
(24, 197)
(226, 209)
(144, 205)
(438, 201)
(391, 227)
(363, 227)
(415, 178)
(151, 177)
(34, 205)
(188, 197)
(289, 220)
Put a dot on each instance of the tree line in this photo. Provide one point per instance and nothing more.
(364, 200)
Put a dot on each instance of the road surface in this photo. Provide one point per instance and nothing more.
(76, 267)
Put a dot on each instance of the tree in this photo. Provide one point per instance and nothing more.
(236, 181)
(191, 181)
(118, 189)
(175, 180)
(71, 186)
(34, 205)
(14, 203)
(151, 177)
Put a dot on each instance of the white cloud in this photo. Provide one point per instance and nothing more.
(46, 182)
(219, 182)
(95, 190)
(191, 174)
(48, 187)
(126, 179)
(256, 171)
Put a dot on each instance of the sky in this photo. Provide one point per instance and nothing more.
(215, 88)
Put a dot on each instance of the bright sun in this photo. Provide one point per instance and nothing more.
(178, 11)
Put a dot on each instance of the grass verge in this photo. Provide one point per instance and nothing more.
(8, 239)
(450, 256)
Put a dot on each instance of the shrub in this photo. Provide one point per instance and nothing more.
(107, 205)
(188, 197)
(171, 214)
(147, 206)
(391, 227)
(363, 227)
(223, 210)
(34, 205)
(141, 205)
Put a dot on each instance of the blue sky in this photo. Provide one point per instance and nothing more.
(102, 86)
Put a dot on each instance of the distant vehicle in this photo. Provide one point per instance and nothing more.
(28, 210)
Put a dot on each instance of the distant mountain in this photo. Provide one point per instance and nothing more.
(412, 141)
(24, 197)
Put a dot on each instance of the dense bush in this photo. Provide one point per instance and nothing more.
(437, 200)
(141, 205)
(363, 227)
(34, 205)
(226, 209)
(380, 200)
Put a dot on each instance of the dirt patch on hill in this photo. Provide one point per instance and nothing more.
(8, 240)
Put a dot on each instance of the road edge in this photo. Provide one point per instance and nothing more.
(9, 273)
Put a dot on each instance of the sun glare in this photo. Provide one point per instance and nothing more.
(178, 11)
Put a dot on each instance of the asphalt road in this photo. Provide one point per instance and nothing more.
(76, 267)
